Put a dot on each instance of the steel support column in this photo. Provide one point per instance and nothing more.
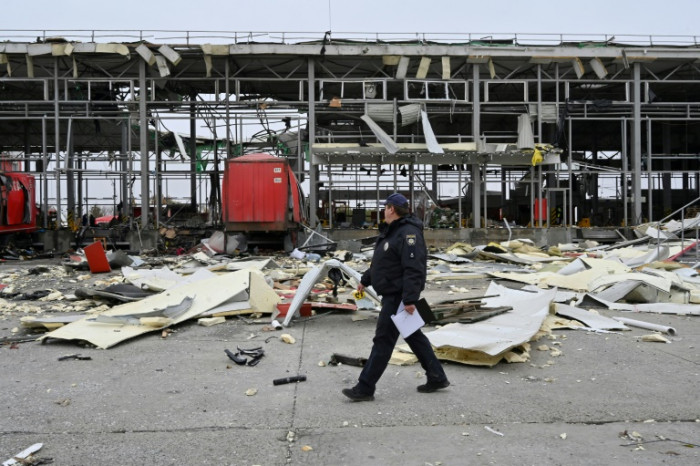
(70, 173)
(476, 132)
(625, 171)
(637, 146)
(313, 169)
(124, 164)
(667, 184)
(193, 152)
(44, 174)
(650, 176)
(227, 86)
(143, 143)
(57, 136)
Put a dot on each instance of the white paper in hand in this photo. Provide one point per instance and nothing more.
(405, 322)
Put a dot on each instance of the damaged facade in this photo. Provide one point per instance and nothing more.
(518, 129)
(550, 124)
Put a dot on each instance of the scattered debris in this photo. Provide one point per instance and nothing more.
(236, 357)
(286, 380)
(180, 303)
(347, 360)
(24, 456)
(486, 342)
(648, 326)
(402, 356)
(634, 436)
(573, 280)
(465, 312)
(241, 356)
(75, 356)
(97, 258)
(287, 338)
(591, 320)
(655, 338)
(333, 306)
(493, 431)
(313, 276)
(209, 321)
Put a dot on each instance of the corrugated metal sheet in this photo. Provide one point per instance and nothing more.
(384, 113)
(430, 138)
(381, 112)
(409, 114)
(525, 138)
(384, 138)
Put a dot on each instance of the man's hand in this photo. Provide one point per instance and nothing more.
(360, 292)
(410, 308)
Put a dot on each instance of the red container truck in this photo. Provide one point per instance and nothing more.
(261, 198)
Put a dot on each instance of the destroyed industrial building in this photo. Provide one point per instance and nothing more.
(554, 121)
(557, 179)
(564, 138)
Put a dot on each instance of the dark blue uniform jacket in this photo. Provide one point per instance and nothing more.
(399, 263)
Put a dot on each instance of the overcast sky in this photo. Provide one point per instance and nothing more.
(672, 17)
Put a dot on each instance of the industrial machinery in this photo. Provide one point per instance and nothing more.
(262, 199)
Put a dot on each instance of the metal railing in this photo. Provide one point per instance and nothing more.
(188, 37)
(695, 244)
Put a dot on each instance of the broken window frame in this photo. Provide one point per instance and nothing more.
(488, 92)
(70, 93)
(327, 93)
(569, 92)
(44, 82)
(449, 87)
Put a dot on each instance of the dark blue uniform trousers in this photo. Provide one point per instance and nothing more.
(385, 339)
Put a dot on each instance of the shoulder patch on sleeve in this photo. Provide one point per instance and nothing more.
(411, 240)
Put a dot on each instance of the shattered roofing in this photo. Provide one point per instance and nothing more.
(582, 276)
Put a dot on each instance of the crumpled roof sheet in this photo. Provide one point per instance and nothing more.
(496, 336)
(206, 294)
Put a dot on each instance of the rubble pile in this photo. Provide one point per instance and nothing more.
(532, 290)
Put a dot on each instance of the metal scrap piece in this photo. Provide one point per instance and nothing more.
(75, 356)
(347, 360)
(171, 312)
(175, 310)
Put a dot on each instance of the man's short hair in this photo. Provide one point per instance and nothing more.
(400, 211)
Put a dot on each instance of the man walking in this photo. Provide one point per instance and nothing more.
(397, 272)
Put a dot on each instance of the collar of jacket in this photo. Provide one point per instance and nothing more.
(385, 228)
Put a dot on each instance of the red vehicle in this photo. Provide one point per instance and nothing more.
(17, 202)
(261, 198)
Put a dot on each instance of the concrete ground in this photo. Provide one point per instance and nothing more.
(608, 399)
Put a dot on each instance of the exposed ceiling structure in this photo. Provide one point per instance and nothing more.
(417, 106)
